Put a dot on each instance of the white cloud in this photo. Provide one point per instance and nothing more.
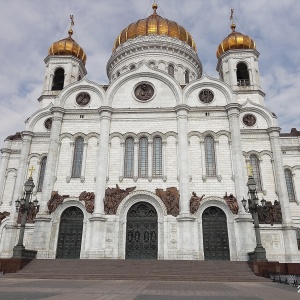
(30, 27)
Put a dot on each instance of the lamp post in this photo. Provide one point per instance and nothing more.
(23, 206)
(259, 253)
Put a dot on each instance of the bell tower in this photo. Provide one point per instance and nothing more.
(65, 64)
(238, 64)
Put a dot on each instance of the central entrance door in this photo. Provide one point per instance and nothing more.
(70, 233)
(215, 235)
(141, 232)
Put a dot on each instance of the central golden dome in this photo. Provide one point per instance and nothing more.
(154, 25)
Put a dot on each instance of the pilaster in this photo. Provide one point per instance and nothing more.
(233, 111)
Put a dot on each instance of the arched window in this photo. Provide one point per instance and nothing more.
(42, 174)
(289, 185)
(242, 75)
(171, 70)
(77, 158)
(143, 157)
(256, 171)
(157, 157)
(58, 79)
(210, 157)
(129, 158)
(187, 76)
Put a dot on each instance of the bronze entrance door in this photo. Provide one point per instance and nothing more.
(215, 234)
(141, 232)
(70, 233)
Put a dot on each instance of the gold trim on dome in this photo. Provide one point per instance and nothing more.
(235, 40)
(68, 46)
(154, 25)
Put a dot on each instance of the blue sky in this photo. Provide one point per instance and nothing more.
(29, 27)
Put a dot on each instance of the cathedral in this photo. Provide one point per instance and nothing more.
(153, 165)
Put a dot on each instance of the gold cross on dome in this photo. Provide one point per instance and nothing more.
(72, 20)
(249, 169)
(231, 15)
(31, 170)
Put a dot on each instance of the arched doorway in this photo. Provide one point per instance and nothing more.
(70, 233)
(215, 234)
(141, 232)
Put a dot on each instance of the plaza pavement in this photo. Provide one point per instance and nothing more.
(32, 289)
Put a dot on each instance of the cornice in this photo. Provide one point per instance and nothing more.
(154, 44)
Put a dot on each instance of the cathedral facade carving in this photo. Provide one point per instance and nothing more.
(145, 160)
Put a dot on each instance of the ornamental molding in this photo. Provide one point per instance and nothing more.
(144, 75)
(149, 136)
(214, 201)
(208, 82)
(142, 196)
(259, 154)
(11, 170)
(73, 137)
(39, 114)
(215, 135)
(154, 44)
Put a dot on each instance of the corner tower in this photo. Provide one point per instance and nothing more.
(65, 64)
(238, 65)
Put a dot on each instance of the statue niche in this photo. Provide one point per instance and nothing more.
(195, 202)
(113, 198)
(232, 203)
(170, 198)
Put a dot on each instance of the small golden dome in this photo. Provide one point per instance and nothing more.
(154, 25)
(68, 46)
(235, 40)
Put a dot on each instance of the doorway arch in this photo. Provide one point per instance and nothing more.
(215, 234)
(141, 232)
(70, 233)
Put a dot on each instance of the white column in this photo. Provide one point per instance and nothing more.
(279, 174)
(164, 161)
(136, 161)
(108, 161)
(289, 234)
(122, 154)
(21, 176)
(233, 111)
(105, 118)
(217, 154)
(71, 157)
(204, 177)
(231, 159)
(82, 177)
(52, 157)
(150, 160)
(3, 166)
(183, 158)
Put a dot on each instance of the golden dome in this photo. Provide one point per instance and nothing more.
(155, 25)
(235, 40)
(67, 46)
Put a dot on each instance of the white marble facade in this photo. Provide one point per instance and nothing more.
(176, 115)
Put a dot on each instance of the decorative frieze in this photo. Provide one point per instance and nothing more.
(89, 200)
(170, 198)
(55, 201)
(3, 215)
(232, 203)
(195, 202)
(270, 213)
(113, 198)
(31, 214)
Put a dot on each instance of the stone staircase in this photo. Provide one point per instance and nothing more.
(112, 269)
